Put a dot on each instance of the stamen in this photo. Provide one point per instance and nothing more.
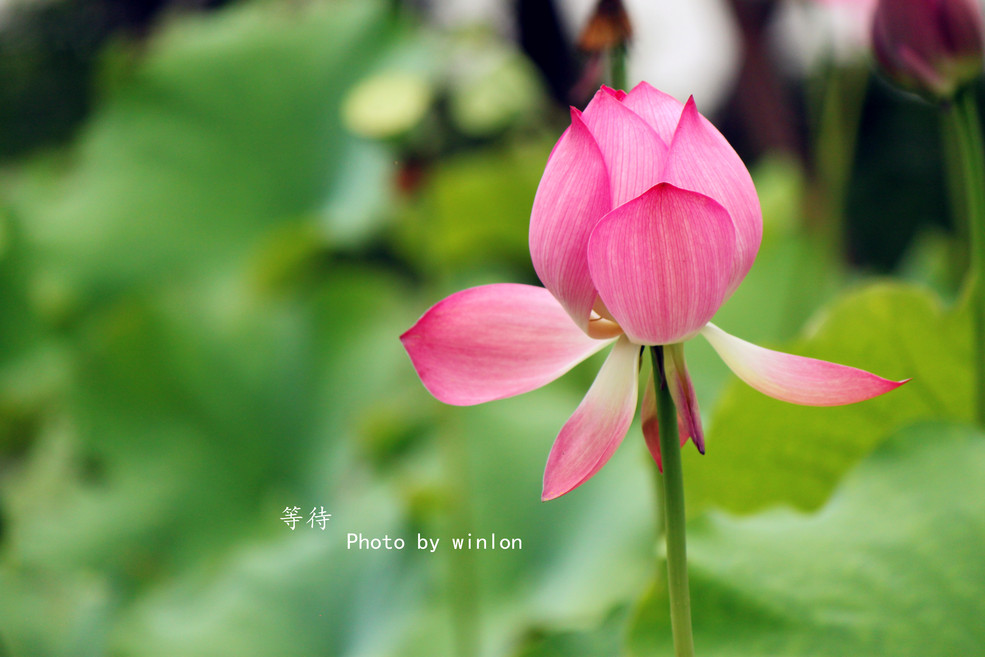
(599, 309)
(603, 329)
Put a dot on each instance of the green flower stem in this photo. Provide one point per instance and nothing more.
(962, 117)
(659, 523)
(673, 496)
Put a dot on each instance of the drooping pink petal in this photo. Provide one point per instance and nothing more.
(682, 392)
(700, 159)
(573, 195)
(651, 424)
(633, 152)
(661, 111)
(661, 263)
(796, 379)
(494, 341)
(598, 425)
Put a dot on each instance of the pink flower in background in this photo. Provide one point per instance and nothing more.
(929, 46)
(644, 223)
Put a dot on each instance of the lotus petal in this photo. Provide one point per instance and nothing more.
(700, 159)
(633, 152)
(495, 341)
(682, 392)
(661, 263)
(796, 379)
(573, 195)
(661, 111)
(598, 425)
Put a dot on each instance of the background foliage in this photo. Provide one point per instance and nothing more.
(201, 290)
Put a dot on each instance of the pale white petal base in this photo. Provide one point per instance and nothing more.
(598, 425)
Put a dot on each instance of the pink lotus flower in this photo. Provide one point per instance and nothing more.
(929, 46)
(644, 223)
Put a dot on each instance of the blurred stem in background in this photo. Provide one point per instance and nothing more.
(673, 496)
(959, 260)
(617, 65)
(606, 37)
(463, 580)
(962, 126)
(835, 134)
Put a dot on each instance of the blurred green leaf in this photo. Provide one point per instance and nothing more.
(31, 371)
(302, 593)
(763, 452)
(229, 124)
(603, 641)
(892, 565)
(291, 593)
(81, 601)
(195, 418)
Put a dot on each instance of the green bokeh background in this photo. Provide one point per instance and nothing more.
(201, 291)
